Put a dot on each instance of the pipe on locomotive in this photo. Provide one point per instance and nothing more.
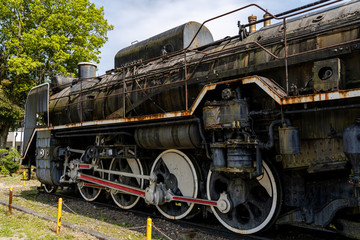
(288, 138)
(270, 143)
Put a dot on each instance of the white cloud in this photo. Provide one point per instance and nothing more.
(142, 19)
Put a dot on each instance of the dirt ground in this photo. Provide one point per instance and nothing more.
(115, 223)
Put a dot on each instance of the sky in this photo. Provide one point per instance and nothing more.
(137, 20)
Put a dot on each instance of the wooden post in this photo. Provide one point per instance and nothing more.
(10, 200)
(58, 225)
(23, 178)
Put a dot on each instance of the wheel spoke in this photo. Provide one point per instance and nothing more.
(260, 203)
(129, 165)
(255, 202)
(162, 168)
(255, 212)
(90, 193)
(176, 171)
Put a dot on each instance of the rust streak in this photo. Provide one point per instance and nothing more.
(318, 97)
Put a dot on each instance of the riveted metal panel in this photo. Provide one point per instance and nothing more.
(36, 102)
(43, 157)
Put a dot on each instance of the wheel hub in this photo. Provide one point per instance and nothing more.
(176, 172)
(171, 182)
(224, 204)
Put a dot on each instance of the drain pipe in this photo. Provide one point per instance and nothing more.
(268, 145)
(202, 135)
(258, 161)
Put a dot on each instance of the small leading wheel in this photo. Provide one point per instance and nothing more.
(50, 188)
(255, 202)
(90, 193)
(175, 169)
(129, 165)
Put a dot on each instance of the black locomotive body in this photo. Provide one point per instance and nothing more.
(261, 128)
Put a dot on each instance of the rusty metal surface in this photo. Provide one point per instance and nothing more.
(271, 88)
(176, 136)
(319, 97)
(226, 114)
(145, 82)
(140, 83)
(289, 140)
(316, 155)
(328, 75)
(301, 74)
(164, 43)
(266, 83)
(87, 70)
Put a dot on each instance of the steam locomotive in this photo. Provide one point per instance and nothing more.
(259, 128)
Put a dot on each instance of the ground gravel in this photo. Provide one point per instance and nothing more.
(114, 222)
(122, 224)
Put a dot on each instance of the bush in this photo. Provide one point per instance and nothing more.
(9, 161)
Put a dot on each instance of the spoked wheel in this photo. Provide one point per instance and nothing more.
(129, 165)
(255, 202)
(50, 188)
(175, 169)
(88, 192)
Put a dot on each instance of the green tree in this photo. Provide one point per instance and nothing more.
(9, 161)
(9, 113)
(42, 38)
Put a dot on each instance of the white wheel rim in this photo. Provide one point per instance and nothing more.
(269, 183)
(137, 168)
(190, 186)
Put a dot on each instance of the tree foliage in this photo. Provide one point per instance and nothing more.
(8, 111)
(9, 114)
(42, 38)
(9, 161)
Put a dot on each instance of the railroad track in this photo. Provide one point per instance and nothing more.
(211, 228)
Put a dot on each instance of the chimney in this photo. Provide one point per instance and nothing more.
(252, 19)
(87, 69)
(267, 22)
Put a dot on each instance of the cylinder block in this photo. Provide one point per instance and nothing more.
(185, 136)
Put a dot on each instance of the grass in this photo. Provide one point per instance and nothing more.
(26, 226)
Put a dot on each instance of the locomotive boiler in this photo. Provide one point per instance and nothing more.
(259, 128)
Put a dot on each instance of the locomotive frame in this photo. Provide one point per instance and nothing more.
(227, 125)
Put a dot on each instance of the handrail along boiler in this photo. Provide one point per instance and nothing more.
(259, 128)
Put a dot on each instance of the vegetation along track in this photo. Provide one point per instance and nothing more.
(108, 219)
(198, 227)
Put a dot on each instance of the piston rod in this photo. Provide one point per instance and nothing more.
(222, 203)
(125, 174)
